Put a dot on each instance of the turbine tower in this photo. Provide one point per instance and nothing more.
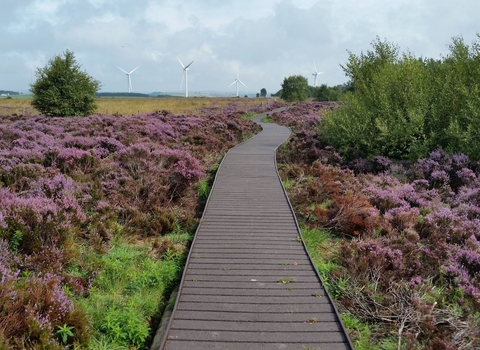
(129, 80)
(185, 74)
(236, 81)
(315, 74)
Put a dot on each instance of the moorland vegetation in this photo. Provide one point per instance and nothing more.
(386, 187)
(131, 106)
(96, 214)
(405, 107)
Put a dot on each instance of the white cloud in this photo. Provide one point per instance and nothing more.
(267, 40)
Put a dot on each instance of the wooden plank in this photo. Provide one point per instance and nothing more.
(199, 345)
(286, 312)
(243, 326)
(260, 337)
(271, 317)
(282, 291)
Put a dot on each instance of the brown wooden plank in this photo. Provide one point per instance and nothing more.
(280, 274)
(286, 312)
(204, 345)
(288, 300)
(282, 291)
(271, 317)
(247, 261)
(257, 280)
(248, 285)
(244, 326)
(260, 337)
(249, 265)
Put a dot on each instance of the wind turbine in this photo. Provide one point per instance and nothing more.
(185, 69)
(236, 81)
(129, 80)
(315, 74)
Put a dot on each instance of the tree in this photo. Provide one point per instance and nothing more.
(263, 92)
(295, 88)
(277, 94)
(386, 113)
(320, 93)
(62, 90)
(327, 93)
(405, 107)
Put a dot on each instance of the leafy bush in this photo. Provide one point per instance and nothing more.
(326, 93)
(62, 90)
(295, 88)
(404, 107)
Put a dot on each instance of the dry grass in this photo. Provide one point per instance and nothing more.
(129, 106)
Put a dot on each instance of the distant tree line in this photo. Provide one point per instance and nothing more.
(296, 88)
(8, 92)
(330, 93)
(122, 94)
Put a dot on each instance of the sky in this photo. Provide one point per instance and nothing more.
(263, 41)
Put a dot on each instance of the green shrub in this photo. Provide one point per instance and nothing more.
(62, 90)
(404, 107)
(295, 88)
(128, 293)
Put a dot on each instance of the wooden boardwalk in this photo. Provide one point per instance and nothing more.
(249, 282)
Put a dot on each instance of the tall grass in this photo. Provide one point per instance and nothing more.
(130, 290)
(130, 106)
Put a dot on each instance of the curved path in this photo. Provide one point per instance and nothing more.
(249, 282)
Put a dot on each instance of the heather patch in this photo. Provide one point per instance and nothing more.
(406, 235)
(96, 215)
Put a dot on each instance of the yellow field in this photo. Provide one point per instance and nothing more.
(129, 106)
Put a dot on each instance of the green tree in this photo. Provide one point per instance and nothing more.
(385, 114)
(326, 93)
(405, 107)
(263, 92)
(62, 90)
(295, 88)
(455, 117)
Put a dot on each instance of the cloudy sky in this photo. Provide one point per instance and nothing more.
(265, 40)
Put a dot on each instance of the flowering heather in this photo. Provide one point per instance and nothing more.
(416, 253)
(67, 182)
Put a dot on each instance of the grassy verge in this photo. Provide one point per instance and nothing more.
(324, 247)
(131, 290)
(129, 296)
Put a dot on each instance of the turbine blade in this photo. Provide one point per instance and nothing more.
(122, 70)
(188, 65)
(134, 70)
(315, 66)
(242, 83)
(232, 83)
(181, 63)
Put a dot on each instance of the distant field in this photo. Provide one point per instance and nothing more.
(21, 104)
